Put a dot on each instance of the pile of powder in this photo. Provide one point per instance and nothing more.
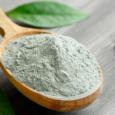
(55, 65)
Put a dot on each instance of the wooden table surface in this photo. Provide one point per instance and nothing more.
(98, 34)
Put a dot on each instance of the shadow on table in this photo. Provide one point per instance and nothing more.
(22, 105)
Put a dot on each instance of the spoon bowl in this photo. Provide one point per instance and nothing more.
(11, 32)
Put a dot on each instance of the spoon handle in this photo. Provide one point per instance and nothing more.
(7, 26)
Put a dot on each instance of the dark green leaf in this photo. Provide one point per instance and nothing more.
(46, 14)
(5, 108)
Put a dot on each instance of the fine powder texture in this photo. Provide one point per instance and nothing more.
(55, 65)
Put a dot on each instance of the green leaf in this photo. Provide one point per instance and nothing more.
(5, 108)
(46, 14)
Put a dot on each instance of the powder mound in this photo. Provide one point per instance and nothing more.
(54, 65)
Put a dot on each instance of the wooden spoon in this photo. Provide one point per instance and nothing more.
(11, 31)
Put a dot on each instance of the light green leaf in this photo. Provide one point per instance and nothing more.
(5, 108)
(46, 14)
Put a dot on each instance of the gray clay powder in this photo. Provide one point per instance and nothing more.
(55, 65)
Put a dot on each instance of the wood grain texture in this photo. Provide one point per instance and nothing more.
(98, 34)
